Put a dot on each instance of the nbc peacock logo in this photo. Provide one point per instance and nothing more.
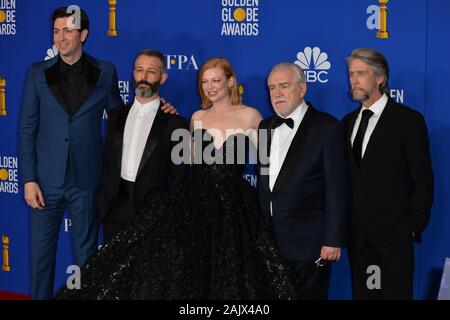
(315, 64)
(51, 53)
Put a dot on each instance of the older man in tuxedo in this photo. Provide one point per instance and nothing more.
(303, 185)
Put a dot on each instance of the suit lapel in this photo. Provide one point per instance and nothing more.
(93, 75)
(51, 76)
(119, 131)
(293, 154)
(350, 124)
(153, 137)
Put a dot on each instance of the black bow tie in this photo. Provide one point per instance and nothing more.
(279, 121)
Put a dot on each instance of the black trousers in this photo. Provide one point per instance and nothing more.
(314, 280)
(393, 265)
(121, 213)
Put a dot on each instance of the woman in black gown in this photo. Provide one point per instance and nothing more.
(205, 239)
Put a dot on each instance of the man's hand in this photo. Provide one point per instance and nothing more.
(168, 107)
(33, 195)
(330, 253)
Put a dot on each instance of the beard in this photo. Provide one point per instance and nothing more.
(359, 95)
(145, 92)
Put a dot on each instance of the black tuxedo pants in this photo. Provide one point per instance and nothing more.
(382, 273)
(121, 213)
(314, 280)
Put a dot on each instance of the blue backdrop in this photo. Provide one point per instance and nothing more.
(253, 35)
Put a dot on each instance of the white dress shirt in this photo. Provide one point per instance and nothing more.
(281, 141)
(137, 128)
(377, 109)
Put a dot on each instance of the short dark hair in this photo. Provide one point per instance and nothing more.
(63, 12)
(153, 53)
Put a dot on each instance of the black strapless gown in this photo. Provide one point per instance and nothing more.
(206, 239)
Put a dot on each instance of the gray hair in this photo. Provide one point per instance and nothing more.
(378, 63)
(294, 67)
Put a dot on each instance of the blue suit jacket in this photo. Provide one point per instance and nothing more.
(309, 198)
(49, 136)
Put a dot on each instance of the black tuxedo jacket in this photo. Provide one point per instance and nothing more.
(156, 173)
(392, 189)
(309, 198)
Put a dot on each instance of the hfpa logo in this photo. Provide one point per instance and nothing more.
(314, 63)
(181, 62)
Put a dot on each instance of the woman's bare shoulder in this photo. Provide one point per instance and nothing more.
(250, 112)
(198, 115)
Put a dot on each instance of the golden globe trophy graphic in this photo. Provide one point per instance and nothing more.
(382, 32)
(3, 97)
(5, 265)
(112, 32)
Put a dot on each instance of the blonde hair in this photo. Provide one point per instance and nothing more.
(223, 64)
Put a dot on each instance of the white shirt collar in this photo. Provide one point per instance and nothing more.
(378, 107)
(146, 107)
(297, 114)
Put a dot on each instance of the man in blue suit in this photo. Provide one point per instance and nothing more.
(303, 185)
(61, 145)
